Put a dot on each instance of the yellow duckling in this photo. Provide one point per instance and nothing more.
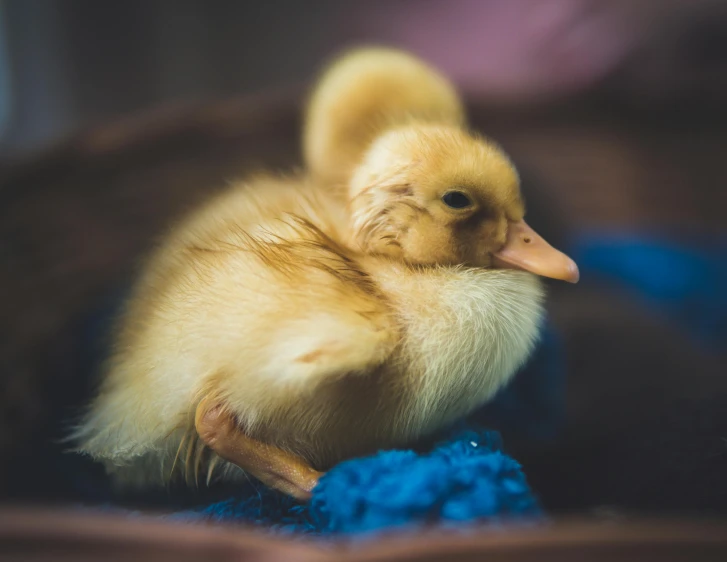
(281, 329)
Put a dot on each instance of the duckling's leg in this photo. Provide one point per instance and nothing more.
(272, 466)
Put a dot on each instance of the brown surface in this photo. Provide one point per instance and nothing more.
(614, 169)
(27, 535)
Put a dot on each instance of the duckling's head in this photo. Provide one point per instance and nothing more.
(431, 194)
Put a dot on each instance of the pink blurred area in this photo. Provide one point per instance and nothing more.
(511, 48)
(525, 49)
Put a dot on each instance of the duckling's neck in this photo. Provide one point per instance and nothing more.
(466, 331)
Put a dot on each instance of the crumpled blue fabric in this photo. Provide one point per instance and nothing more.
(464, 479)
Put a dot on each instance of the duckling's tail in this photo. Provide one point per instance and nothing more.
(363, 94)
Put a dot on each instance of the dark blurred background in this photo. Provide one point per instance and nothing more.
(117, 116)
(66, 64)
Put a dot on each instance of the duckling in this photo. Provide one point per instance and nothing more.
(294, 322)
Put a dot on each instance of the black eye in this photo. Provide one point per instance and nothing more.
(456, 200)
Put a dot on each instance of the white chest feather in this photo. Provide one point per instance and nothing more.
(466, 332)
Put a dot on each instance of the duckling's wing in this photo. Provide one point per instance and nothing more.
(323, 315)
(329, 341)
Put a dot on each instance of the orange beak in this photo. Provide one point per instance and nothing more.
(525, 249)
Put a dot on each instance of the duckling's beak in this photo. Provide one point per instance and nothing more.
(526, 249)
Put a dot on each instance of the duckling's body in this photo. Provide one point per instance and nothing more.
(317, 350)
(321, 327)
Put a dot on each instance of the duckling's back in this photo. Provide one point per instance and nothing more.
(365, 93)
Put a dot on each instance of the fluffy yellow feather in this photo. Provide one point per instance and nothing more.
(356, 308)
(363, 93)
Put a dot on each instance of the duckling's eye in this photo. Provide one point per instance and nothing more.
(456, 200)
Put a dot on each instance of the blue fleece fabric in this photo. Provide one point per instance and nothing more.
(463, 479)
(467, 477)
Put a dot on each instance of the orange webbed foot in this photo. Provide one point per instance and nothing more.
(274, 467)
